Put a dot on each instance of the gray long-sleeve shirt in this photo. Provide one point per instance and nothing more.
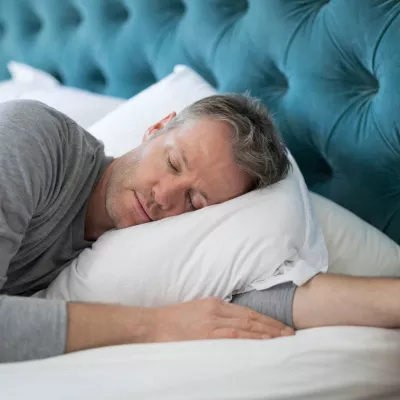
(49, 166)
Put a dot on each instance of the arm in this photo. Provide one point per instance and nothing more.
(34, 328)
(345, 300)
(324, 300)
(276, 302)
(328, 300)
(98, 325)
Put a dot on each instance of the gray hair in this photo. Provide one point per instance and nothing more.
(257, 147)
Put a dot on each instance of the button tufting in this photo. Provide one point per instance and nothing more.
(242, 6)
(366, 83)
(231, 8)
(73, 17)
(58, 76)
(319, 5)
(277, 80)
(373, 85)
(325, 171)
(118, 12)
(33, 23)
(180, 9)
(2, 30)
(97, 77)
(318, 169)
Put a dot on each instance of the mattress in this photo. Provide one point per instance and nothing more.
(319, 363)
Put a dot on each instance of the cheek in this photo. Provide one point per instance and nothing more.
(119, 206)
(151, 167)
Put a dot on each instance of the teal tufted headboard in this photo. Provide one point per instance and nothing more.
(328, 70)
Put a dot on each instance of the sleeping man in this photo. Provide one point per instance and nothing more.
(59, 193)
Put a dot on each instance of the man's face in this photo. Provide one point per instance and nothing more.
(181, 170)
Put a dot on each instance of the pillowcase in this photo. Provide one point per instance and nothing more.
(82, 106)
(25, 74)
(354, 246)
(11, 90)
(25, 79)
(123, 129)
(255, 241)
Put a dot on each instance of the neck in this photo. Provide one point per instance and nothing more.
(97, 220)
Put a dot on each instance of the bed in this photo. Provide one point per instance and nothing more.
(329, 73)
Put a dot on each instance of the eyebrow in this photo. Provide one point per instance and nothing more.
(186, 163)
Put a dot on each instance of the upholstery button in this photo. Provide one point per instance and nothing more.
(97, 77)
(240, 7)
(119, 12)
(244, 5)
(277, 80)
(74, 17)
(34, 24)
(324, 170)
(317, 169)
(175, 7)
(368, 84)
(374, 88)
(182, 8)
(229, 8)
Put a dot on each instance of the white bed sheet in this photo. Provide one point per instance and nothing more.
(322, 363)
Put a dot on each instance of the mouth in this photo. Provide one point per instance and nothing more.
(142, 210)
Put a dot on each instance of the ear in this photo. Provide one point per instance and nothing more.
(159, 125)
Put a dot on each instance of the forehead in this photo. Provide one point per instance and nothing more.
(207, 145)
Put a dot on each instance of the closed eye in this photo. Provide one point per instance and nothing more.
(171, 165)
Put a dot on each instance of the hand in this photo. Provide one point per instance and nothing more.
(212, 318)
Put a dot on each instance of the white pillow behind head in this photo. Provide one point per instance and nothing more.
(123, 129)
(354, 246)
(82, 106)
(24, 73)
(24, 79)
(255, 241)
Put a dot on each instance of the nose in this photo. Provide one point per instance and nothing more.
(170, 194)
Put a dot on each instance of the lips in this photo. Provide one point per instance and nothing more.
(142, 210)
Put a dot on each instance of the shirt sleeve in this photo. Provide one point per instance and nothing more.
(275, 302)
(29, 328)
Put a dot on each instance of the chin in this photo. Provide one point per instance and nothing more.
(122, 218)
(125, 222)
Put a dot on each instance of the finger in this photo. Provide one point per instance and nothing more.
(230, 310)
(229, 333)
(249, 325)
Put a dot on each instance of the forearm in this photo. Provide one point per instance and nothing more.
(32, 328)
(328, 300)
(99, 325)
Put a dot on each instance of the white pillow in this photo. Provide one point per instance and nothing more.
(354, 246)
(25, 74)
(25, 79)
(123, 129)
(11, 90)
(82, 106)
(255, 241)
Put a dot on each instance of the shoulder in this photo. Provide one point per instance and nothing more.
(26, 122)
(20, 110)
